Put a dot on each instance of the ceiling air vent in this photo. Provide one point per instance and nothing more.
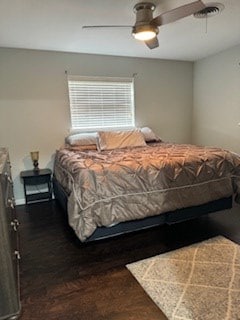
(211, 9)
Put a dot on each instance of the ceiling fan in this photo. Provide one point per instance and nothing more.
(146, 27)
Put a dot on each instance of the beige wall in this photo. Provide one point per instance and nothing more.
(34, 110)
(216, 107)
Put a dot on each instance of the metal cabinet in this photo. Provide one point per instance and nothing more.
(9, 244)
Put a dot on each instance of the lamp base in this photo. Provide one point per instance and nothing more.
(35, 164)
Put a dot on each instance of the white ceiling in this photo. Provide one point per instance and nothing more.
(57, 25)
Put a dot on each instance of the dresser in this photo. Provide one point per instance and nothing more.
(9, 244)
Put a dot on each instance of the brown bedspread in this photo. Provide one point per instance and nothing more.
(109, 187)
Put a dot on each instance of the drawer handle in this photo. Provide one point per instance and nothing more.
(9, 178)
(11, 203)
(17, 254)
(15, 223)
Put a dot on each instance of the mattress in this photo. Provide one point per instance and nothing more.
(108, 187)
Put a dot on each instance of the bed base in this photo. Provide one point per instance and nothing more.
(135, 225)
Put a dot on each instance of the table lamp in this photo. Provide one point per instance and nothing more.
(35, 158)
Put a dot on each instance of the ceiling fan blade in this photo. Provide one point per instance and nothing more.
(178, 13)
(152, 43)
(107, 26)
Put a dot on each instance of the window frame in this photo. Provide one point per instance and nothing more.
(95, 80)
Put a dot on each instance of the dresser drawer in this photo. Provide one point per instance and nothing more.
(9, 239)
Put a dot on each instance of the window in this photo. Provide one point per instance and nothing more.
(101, 103)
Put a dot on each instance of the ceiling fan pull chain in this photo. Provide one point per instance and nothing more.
(206, 24)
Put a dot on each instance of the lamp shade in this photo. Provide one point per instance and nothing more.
(34, 155)
(35, 158)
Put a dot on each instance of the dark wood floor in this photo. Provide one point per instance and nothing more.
(62, 279)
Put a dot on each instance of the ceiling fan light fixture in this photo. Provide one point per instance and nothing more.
(144, 33)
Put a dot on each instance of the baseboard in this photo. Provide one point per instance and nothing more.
(20, 201)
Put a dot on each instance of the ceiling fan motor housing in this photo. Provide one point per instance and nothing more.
(144, 12)
(144, 15)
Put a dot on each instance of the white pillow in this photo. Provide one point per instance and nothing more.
(109, 140)
(82, 139)
(149, 135)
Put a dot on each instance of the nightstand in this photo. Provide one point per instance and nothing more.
(35, 178)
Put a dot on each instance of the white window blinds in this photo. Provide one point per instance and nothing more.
(101, 103)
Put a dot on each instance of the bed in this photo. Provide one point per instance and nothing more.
(122, 186)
